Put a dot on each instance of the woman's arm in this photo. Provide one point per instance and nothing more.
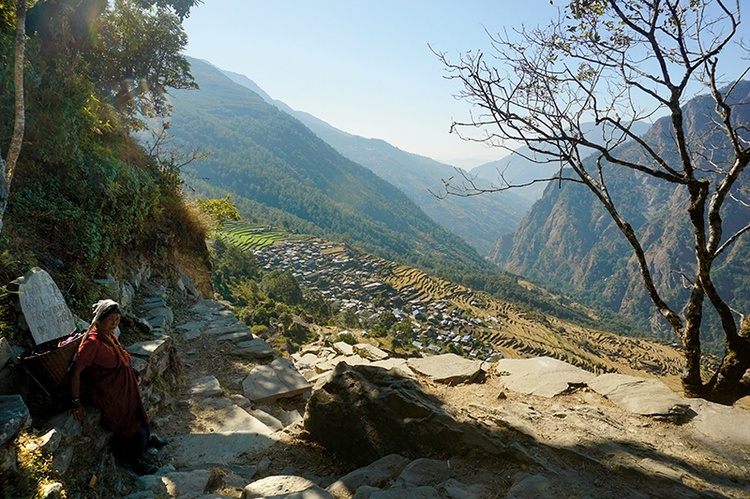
(75, 390)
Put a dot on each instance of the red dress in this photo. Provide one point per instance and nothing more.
(113, 385)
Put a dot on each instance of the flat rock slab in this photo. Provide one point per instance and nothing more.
(242, 335)
(352, 360)
(191, 334)
(151, 347)
(285, 486)
(279, 379)
(720, 423)
(542, 376)
(369, 352)
(343, 348)
(186, 484)
(235, 432)
(237, 327)
(257, 349)
(648, 397)
(380, 473)
(207, 386)
(14, 416)
(207, 307)
(449, 368)
(400, 365)
(188, 326)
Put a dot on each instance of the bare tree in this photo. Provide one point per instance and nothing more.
(617, 63)
(8, 167)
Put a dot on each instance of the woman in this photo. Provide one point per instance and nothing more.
(114, 388)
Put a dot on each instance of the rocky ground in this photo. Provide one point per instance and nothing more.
(460, 429)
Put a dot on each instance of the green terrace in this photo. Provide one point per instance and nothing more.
(251, 237)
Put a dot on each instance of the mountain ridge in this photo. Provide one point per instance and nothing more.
(477, 220)
(569, 242)
(262, 154)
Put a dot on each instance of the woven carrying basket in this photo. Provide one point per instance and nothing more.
(50, 367)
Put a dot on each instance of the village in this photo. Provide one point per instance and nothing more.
(355, 283)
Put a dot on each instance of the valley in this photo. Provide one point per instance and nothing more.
(441, 316)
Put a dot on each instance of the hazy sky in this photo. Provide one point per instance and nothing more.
(365, 67)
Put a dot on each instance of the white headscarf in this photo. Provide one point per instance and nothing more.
(100, 308)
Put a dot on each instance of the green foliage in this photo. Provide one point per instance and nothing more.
(233, 273)
(218, 210)
(259, 330)
(347, 319)
(84, 190)
(137, 56)
(282, 286)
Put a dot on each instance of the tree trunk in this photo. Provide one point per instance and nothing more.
(727, 386)
(7, 168)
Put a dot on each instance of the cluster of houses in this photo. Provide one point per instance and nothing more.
(355, 284)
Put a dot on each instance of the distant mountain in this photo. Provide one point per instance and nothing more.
(277, 168)
(519, 168)
(478, 220)
(569, 242)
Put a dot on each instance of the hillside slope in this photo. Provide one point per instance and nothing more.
(263, 155)
(518, 168)
(569, 241)
(477, 220)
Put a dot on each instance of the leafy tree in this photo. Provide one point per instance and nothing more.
(137, 56)
(618, 63)
(232, 267)
(218, 210)
(282, 286)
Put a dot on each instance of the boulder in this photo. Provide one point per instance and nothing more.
(449, 368)
(364, 413)
(369, 352)
(423, 472)
(14, 417)
(542, 376)
(377, 474)
(285, 486)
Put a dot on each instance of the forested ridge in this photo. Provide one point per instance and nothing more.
(478, 220)
(261, 154)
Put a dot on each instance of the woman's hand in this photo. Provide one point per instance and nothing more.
(78, 411)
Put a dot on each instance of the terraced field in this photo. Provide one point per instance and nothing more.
(250, 237)
(518, 336)
(492, 322)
